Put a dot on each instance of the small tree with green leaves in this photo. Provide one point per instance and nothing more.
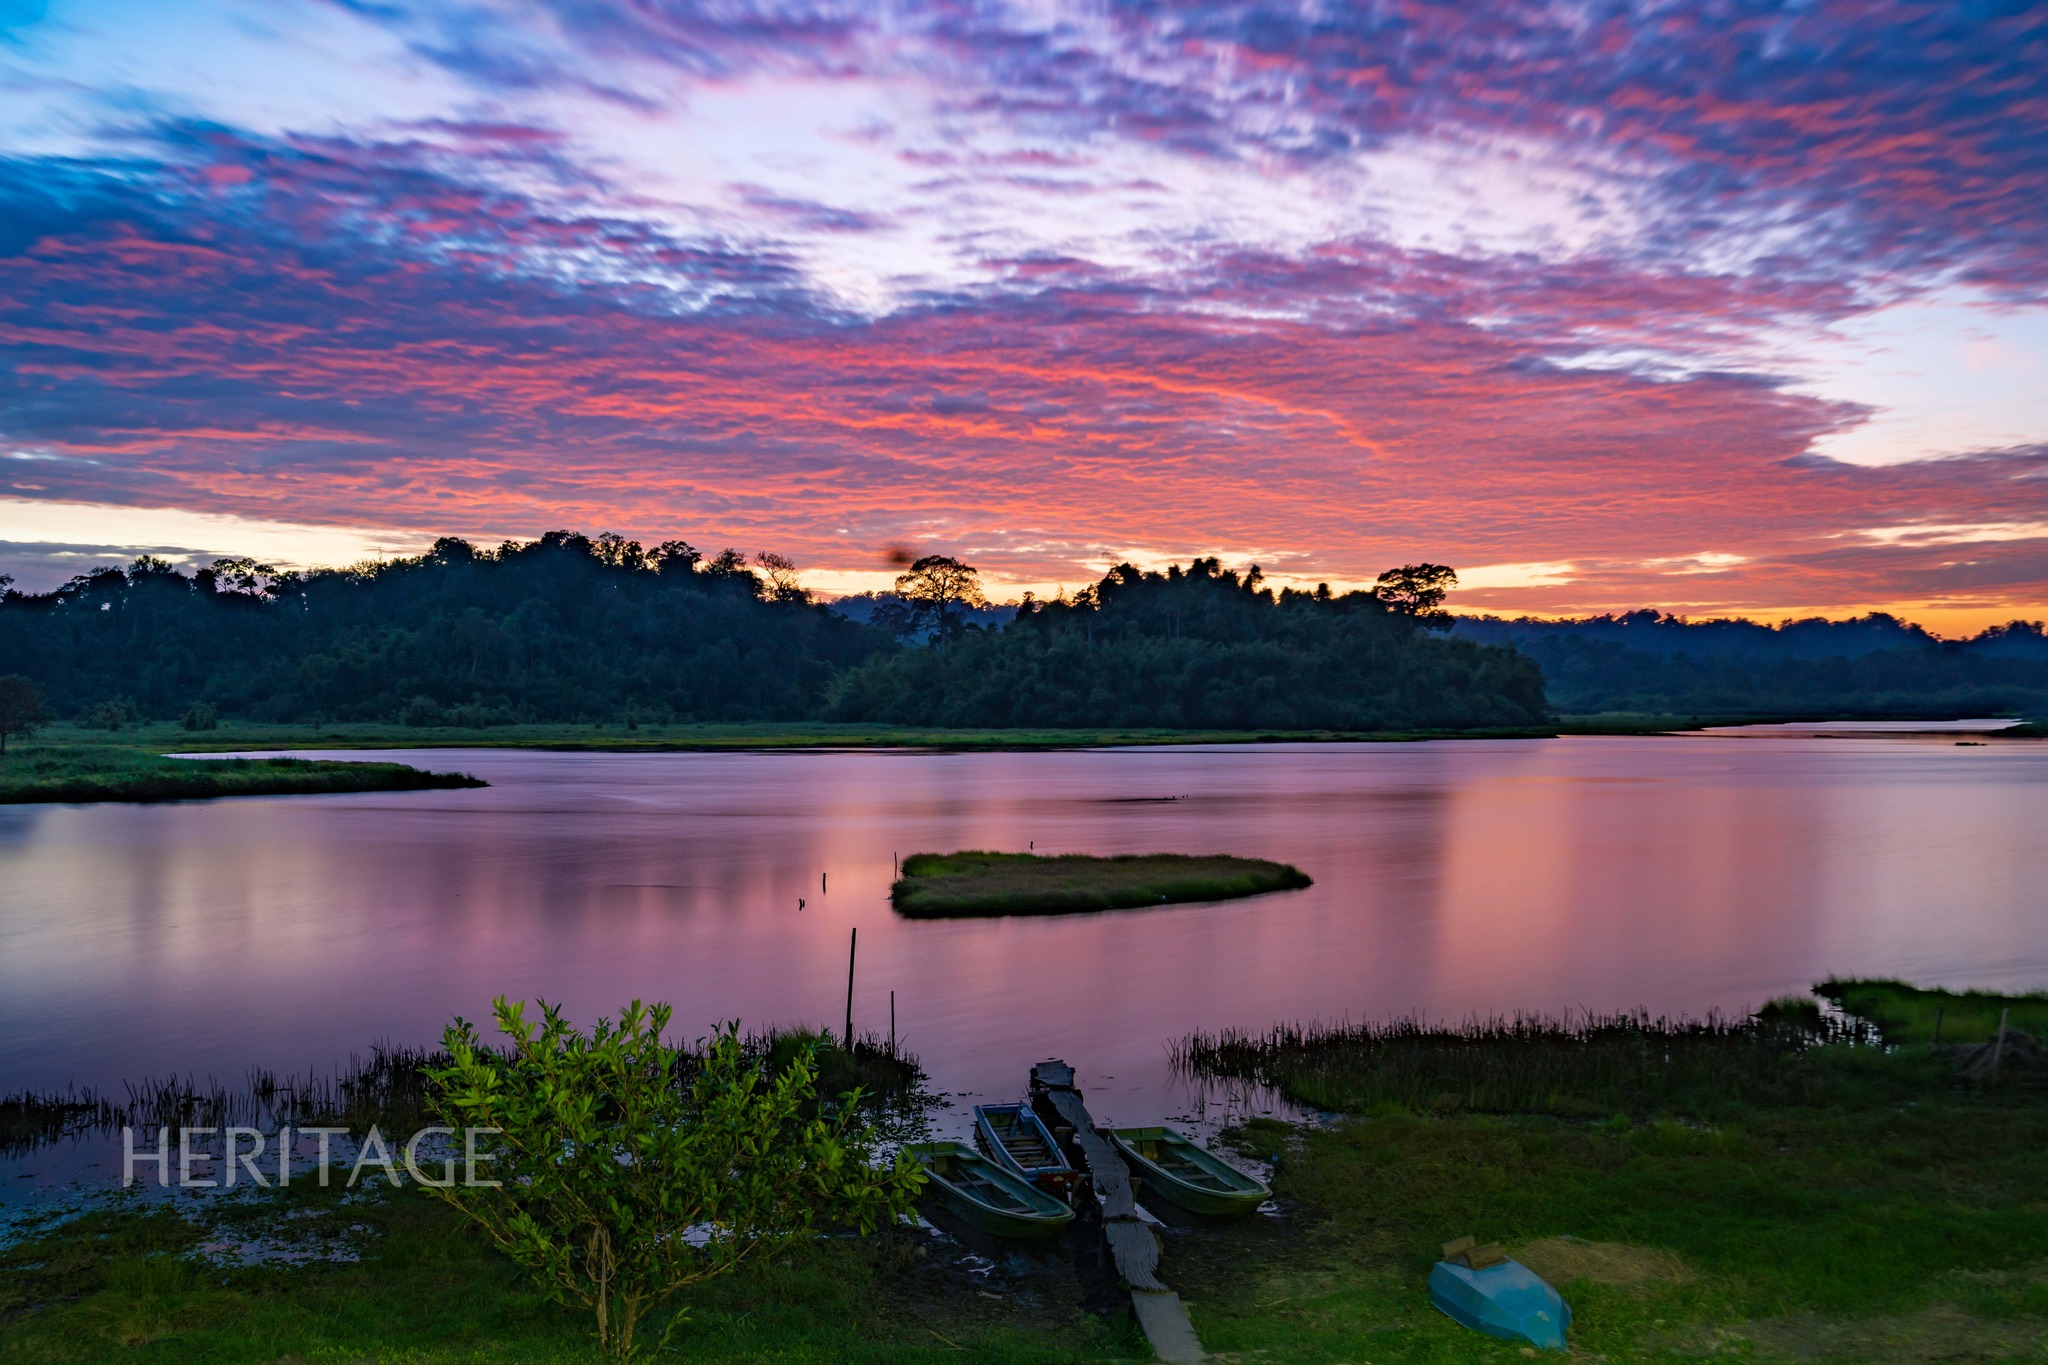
(22, 711)
(630, 1169)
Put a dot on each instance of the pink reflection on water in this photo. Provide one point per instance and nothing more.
(1680, 874)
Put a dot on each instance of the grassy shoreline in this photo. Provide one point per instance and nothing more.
(1863, 1207)
(714, 737)
(978, 883)
(64, 773)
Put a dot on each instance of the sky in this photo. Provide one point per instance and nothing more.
(1730, 307)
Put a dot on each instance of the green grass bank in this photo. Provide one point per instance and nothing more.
(424, 1289)
(1791, 1191)
(1910, 1014)
(974, 882)
(118, 772)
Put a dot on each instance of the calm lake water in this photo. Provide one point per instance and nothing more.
(1681, 874)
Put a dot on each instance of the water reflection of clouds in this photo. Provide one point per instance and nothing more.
(1676, 874)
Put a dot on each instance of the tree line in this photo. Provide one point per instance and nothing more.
(1873, 666)
(577, 628)
(1208, 648)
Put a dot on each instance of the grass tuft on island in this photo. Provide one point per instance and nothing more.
(978, 882)
(62, 773)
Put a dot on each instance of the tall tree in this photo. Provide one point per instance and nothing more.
(783, 584)
(937, 588)
(1417, 590)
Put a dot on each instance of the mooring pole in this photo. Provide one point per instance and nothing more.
(822, 876)
(852, 944)
(892, 1023)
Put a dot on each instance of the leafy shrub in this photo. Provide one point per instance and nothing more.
(109, 715)
(199, 716)
(630, 1169)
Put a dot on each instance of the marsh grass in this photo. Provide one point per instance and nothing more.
(1580, 1065)
(884, 1072)
(105, 772)
(388, 1088)
(974, 882)
(1906, 1014)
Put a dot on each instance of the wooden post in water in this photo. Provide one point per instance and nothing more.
(1998, 1043)
(892, 1023)
(851, 944)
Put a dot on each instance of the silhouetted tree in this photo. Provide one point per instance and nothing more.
(783, 585)
(22, 711)
(936, 588)
(1417, 590)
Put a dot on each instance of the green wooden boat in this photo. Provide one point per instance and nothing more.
(986, 1195)
(1171, 1168)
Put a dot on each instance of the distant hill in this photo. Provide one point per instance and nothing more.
(1874, 665)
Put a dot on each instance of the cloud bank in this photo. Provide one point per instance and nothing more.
(1562, 286)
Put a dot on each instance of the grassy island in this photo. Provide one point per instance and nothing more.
(105, 772)
(942, 885)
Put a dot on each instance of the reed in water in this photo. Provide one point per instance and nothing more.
(1581, 1064)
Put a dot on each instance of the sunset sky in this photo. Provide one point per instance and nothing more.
(1714, 307)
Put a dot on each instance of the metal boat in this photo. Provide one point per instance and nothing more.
(985, 1194)
(1173, 1169)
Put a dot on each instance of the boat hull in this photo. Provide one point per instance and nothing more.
(999, 1127)
(1222, 1192)
(984, 1194)
(1506, 1300)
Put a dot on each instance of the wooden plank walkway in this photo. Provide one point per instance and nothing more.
(1132, 1245)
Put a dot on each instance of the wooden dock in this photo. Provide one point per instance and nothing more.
(1133, 1246)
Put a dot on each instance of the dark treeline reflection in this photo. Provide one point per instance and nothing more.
(578, 628)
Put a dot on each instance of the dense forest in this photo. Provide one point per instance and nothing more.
(574, 628)
(1873, 666)
(577, 628)
(1204, 648)
(566, 627)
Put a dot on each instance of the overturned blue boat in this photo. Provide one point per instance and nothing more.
(1501, 1297)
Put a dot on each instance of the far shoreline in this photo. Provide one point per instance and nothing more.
(69, 764)
(166, 738)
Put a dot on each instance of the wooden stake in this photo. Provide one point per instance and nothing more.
(852, 944)
(1998, 1043)
(1937, 1026)
(892, 1023)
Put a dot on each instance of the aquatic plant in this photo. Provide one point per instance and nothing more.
(1585, 1064)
